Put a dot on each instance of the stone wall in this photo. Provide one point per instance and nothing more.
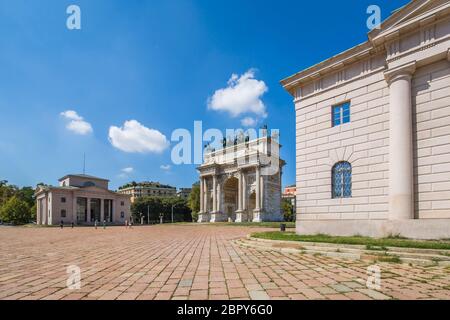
(363, 142)
(272, 198)
(431, 101)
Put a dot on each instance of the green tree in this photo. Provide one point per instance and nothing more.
(151, 208)
(26, 194)
(6, 191)
(288, 210)
(33, 210)
(15, 211)
(194, 201)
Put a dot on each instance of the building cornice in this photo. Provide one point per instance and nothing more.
(332, 64)
(418, 14)
(407, 69)
(400, 26)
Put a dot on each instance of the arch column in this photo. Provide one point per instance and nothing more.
(214, 208)
(239, 210)
(205, 196)
(203, 215)
(216, 215)
(257, 211)
(401, 183)
(201, 196)
(219, 198)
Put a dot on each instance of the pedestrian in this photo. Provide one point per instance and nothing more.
(71, 224)
(61, 225)
(131, 223)
(104, 224)
(95, 224)
(126, 224)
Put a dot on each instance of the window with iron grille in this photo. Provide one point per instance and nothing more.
(342, 180)
(341, 114)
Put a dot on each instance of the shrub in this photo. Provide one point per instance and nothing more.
(15, 211)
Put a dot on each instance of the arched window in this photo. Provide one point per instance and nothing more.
(342, 180)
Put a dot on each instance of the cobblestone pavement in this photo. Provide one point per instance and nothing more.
(190, 262)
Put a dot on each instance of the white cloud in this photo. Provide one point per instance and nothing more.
(128, 170)
(134, 137)
(249, 122)
(242, 95)
(76, 123)
(71, 115)
(166, 167)
(125, 172)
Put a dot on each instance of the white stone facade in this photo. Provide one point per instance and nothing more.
(240, 183)
(398, 137)
(81, 200)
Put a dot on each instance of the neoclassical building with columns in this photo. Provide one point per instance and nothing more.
(373, 131)
(81, 199)
(242, 182)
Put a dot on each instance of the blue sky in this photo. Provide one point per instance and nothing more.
(156, 62)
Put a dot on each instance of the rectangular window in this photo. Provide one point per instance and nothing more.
(63, 213)
(341, 114)
(63, 200)
(122, 214)
(122, 203)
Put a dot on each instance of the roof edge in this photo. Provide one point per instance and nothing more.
(82, 176)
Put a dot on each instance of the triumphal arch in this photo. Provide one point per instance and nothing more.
(241, 182)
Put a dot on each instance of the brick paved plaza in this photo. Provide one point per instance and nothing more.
(190, 262)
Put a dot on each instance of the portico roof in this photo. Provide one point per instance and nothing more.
(85, 176)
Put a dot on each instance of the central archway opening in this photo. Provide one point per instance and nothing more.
(230, 205)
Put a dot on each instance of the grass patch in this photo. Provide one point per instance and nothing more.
(395, 236)
(374, 248)
(317, 254)
(32, 225)
(357, 240)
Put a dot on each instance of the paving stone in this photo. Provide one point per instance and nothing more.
(185, 283)
(190, 262)
(258, 295)
(341, 288)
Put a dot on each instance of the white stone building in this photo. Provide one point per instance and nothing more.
(81, 199)
(373, 131)
(242, 182)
